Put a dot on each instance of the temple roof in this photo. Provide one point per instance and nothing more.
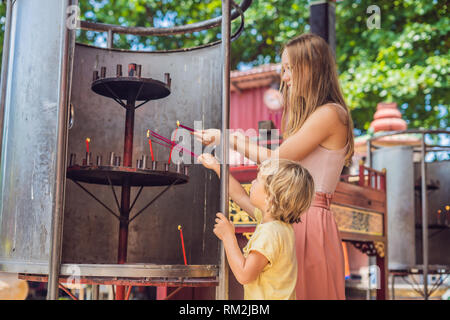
(259, 76)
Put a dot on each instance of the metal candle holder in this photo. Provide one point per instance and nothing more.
(131, 88)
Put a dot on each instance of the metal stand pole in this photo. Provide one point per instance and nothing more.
(61, 158)
(322, 20)
(5, 65)
(424, 219)
(222, 288)
(126, 191)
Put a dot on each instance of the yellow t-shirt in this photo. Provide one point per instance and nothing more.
(276, 241)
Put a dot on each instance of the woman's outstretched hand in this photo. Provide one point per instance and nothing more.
(208, 136)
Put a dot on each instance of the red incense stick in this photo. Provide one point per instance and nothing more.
(177, 146)
(187, 128)
(150, 143)
(182, 244)
(170, 143)
(162, 144)
(153, 133)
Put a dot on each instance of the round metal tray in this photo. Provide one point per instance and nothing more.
(127, 270)
(131, 88)
(117, 175)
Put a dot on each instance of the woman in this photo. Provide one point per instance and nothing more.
(318, 132)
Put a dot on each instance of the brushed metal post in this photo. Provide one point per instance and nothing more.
(222, 288)
(61, 159)
(110, 39)
(424, 219)
(5, 65)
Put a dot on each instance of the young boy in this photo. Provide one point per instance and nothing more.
(282, 191)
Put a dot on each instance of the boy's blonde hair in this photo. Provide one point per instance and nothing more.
(289, 188)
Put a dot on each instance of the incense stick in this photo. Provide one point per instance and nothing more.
(162, 144)
(160, 137)
(179, 148)
(150, 143)
(187, 128)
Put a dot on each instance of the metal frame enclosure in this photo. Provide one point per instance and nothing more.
(34, 98)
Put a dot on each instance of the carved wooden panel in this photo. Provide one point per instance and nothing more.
(358, 220)
(239, 216)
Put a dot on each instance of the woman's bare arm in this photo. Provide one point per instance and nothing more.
(316, 129)
(249, 149)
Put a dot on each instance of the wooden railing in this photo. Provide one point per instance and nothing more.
(367, 177)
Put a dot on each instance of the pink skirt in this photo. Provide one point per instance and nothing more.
(321, 266)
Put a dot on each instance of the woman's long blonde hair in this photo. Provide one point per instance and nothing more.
(314, 83)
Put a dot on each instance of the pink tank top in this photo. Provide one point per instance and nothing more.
(325, 166)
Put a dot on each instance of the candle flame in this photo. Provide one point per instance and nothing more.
(148, 133)
(88, 139)
(179, 227)
(178, 123)
(447, 208)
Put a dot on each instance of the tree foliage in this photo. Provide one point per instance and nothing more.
(406, 61)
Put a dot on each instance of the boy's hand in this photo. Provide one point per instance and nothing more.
(209, 161)
(223, 227)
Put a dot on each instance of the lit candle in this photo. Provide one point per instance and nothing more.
(87, 145)
(182, 244)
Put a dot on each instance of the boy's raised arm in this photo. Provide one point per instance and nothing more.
(237, 192)
(244, 269)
